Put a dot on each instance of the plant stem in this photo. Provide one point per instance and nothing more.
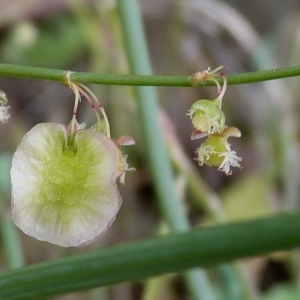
(9, 233)
(170, 203)
(10, 70)
(136, 261)
(148, 111)
(11, 244)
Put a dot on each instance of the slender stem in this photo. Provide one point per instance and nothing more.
(74, 114)
(222, 93)
(88, 94)
(170, 203)
(148, 112)
(11, 244)
(10, 70)
(8, 232)
(136, 261)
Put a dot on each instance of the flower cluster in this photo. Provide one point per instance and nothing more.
(4, 114)
(209, 121)
(64, 188)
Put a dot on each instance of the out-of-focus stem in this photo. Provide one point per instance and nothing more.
(172, 209)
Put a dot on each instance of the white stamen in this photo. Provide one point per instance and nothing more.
(215, 124)
(204, 153)
(230, 160)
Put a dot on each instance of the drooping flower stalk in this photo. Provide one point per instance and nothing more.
(87, 93)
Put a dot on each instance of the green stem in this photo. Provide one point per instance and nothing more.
(171, 206)
(148, 111)
(10, 70)
(11, 244)
(9, 233)
(136, 261)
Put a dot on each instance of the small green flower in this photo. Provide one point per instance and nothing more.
(216, 151)
(207, 116)
(65, 193)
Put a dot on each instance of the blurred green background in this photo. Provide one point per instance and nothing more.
(183, 37)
